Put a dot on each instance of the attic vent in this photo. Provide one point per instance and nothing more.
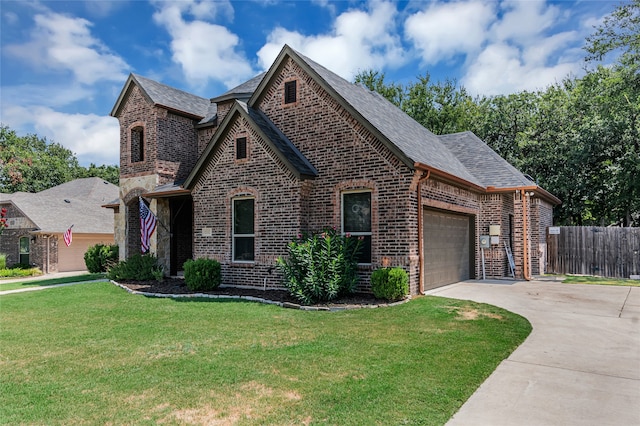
(290, 92)
(241, 148)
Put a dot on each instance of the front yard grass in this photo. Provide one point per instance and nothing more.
(584, 279)
(96, 355)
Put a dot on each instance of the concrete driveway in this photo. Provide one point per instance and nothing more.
(579, 366)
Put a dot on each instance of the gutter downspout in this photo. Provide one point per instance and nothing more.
(424, 177)
(525, 260)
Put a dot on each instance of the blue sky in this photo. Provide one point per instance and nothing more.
(64, 63)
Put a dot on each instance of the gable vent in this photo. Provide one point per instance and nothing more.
(290, 92)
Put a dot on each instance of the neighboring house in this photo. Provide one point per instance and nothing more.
(36, 223)
(298, 148)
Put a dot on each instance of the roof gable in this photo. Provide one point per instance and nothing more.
(167, 97)
(281, 145)
(410, 141)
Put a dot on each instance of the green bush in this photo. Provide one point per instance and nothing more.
(3, 261)
(202, 274)
(321, 267)
(100, 257)
(19, 272)
(138, 268)
(390, 283)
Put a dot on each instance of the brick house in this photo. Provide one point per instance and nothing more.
(37, 221)
(298, 148)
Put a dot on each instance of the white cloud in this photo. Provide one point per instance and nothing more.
(444, 30)
(524, 21)
(500, 69)
(64, 43)
(523, 52)
(505, 47)
(359, 40)
(93, 138)
(203, 50)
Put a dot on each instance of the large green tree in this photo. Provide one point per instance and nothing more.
(32, 164)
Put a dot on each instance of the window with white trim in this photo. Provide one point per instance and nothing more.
(356, 220)
(243, 229)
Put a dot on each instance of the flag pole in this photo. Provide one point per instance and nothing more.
(158, 220)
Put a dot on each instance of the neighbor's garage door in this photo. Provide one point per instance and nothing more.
(447, 248)
(72, 258)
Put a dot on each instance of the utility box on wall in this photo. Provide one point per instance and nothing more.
(484, 241)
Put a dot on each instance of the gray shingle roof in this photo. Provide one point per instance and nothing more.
(169, 97)
(281, 142)
(483, 162)
(242, 92)
(416, 142)
(77, 202)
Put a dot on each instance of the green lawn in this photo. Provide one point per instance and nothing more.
(99, 355)
(582, 279)
(49, 281)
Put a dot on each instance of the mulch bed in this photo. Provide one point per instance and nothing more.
(177, 286)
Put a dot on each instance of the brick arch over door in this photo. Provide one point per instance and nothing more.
(132, 212)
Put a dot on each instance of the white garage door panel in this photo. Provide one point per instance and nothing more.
(72, 258)
(446, 248)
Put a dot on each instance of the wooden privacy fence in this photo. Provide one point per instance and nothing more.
(589, 250)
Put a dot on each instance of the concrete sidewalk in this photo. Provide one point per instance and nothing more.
(40, 278)
(579, 366)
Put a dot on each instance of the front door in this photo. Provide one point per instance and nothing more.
(181, 232)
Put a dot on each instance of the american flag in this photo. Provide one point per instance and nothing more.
(148, 223)
(68, 236)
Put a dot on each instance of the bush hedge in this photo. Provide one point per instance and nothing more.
(202, 274)
(138, 268)
(100, 257)
(390, 283)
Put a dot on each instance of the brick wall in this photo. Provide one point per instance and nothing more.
(541, 219)
(170, 140)
(177, 147)
(278, 206)
(347, 157)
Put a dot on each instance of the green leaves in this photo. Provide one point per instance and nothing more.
(320, 267)
(32, 164)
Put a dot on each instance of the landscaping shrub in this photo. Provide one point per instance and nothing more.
(138, 268)
(390, 283)
(202, 274)
(19, 271)
(321, 267)
(3, 261)
(100, 257)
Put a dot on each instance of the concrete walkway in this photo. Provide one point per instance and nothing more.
(40, 278)
(579, 366)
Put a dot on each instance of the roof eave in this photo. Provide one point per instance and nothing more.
(449, 177)
(543, 193)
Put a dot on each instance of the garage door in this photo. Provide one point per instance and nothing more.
(447, 248)
(72, 258)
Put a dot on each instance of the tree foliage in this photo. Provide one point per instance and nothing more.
(32, 164)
